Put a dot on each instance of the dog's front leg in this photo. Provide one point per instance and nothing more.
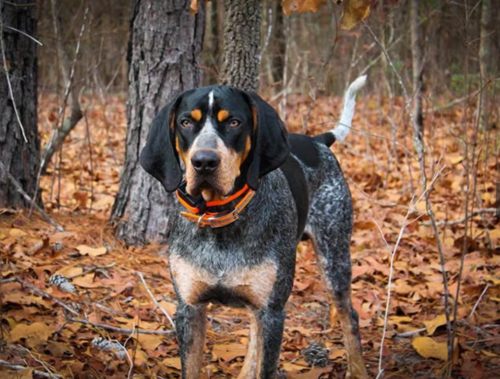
(191, 325)
(272, 321)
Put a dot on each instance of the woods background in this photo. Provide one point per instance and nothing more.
(424, 181)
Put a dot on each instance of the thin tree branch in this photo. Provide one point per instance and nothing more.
(418, 140)
(39, 292)
(24, 34)
(15, 367)
(18, 186)
(459, 221)
(117, 329)
(139, 274)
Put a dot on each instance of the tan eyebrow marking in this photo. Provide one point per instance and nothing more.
(196, 114)
(222, 115)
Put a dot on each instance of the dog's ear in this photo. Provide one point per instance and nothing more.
(159, 157)
(270, 147)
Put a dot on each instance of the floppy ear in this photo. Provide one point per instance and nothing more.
(270, 141)
(159, 158)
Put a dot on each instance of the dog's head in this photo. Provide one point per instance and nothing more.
(224, 137)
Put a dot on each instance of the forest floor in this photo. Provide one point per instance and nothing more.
(74, 338)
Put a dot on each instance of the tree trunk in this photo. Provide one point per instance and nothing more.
(279, 48)
(19, 62)
(484, 53)
(416, 53)
(164, 49)
(211, 48)
(241, 63)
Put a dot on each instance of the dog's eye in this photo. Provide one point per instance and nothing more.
(234, 123)
(186, 123)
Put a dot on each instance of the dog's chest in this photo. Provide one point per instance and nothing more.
(240, 286)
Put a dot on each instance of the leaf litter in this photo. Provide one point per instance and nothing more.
(113, 315)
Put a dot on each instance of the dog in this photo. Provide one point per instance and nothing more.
(248, 192)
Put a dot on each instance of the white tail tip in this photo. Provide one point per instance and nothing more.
(344, 126)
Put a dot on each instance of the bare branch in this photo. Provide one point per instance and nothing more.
(43, 374)
(139, 274)
(39, 292)
(418, 141)
(117, 329)
(24, 34)
(18, 186)
(459, 221)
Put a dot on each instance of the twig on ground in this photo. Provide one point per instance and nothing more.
(95, 268)
(485, 340)
(117, 329)
(139, 274)
(479, 300)
(411, 333)
(16, 184)
(39, 292)
(470, 215)
(15, 367)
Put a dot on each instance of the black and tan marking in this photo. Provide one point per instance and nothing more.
(213, 126)
(250, 263)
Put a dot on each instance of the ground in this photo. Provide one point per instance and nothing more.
(74, 337)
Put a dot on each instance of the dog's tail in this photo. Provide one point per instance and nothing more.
(344, 126)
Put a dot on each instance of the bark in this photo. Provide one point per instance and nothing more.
(484, 53)
(241, 61)
(416, 53)
(19, 62)
(164, 49)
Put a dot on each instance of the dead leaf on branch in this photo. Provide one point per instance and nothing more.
(300, 6)
(354, 12)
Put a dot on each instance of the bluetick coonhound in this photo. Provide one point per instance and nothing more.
(251, 191)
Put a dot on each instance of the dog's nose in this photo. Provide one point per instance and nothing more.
(205, 162)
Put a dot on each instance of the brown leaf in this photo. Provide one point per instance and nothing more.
(354, 12)
(93, 252)
(33, 334)
(228, 352)
(172, 362)
(300, 6)
(432, 325)
(87, 281)
(428, 348)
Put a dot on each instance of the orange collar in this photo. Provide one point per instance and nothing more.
(202, 214)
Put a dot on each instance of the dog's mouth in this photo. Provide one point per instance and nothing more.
(208, 187)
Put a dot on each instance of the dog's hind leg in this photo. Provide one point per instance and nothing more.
(330, 226)
(191, 326)
(253, 357)
(264, 346)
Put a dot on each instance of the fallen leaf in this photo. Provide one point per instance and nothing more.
(428, 348)
(93, 252)
(432, 325)
(172, 362)
(33, 334)
(228, 352)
